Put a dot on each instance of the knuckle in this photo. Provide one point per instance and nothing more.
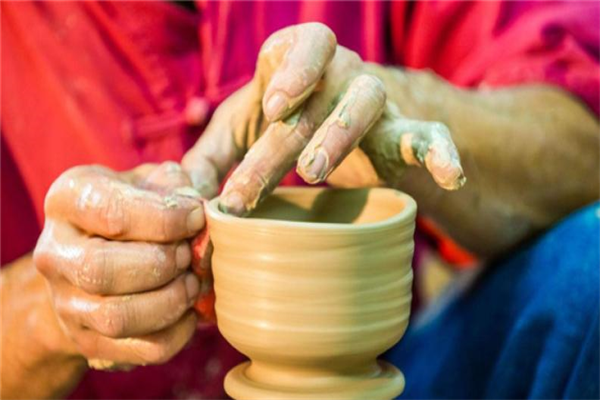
(178, 300)
(322, 31)
(273, 42)
(64, 310)
(369, 82)
(67, 181)
(348, 57)
(372, 90)
(440, 128)
(171, 226)
(95, 274)
(43, 262)
(304, 130)
(110, 320)
(164, 259)
(44, 256)
(112, 214)
(170, 166)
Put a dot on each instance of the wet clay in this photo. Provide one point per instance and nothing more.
(312, 287)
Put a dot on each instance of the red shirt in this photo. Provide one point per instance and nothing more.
(108, 83)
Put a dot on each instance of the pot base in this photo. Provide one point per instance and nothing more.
(388, 383)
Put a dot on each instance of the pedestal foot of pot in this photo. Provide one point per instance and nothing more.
(387, 383)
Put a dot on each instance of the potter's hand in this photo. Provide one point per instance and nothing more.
(115, 257)
(320, 101)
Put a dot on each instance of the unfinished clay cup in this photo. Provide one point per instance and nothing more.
(312, 287)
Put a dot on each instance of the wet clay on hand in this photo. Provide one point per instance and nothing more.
(312, 287)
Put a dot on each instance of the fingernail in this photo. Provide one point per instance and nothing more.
(195, 220)
(183, 256)
(232, 204)
(315, 168)
(192, 286)
(276, 106)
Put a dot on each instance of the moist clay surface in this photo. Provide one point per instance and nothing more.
(312, 287)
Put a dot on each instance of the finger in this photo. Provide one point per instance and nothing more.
(132, 315)
(204, 176)
(233, 126)
(265, 164)
(429, 143)
(275, 152)
(155, 348)
(359, 109)
(100, 202)
(136, 176)
(166, 178)
(399, 141)
(103, 267)
(292, 61)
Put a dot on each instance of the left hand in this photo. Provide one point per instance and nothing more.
(316, 102)
(115, 257)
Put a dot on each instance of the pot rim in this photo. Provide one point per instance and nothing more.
(407, 215)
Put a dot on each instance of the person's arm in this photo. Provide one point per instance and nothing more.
(530, 154)
(37, 359)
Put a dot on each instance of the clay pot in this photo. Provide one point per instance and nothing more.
(312, 287)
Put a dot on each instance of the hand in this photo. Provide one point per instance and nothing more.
(115, 257)
(316, 102)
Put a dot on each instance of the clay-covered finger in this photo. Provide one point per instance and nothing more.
(361, 106)
(165, 178)
(395, 142)
(138, 174)
(157, 348)
(293, 60)
(135, 314)
(104, 267)
(265, 164)
(230, 131)
(100, 202)
(276, 151)
(429, 143)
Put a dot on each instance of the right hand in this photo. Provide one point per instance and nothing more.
(318, 103)
(115, 257)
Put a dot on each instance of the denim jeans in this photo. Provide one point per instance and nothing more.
(527, 327)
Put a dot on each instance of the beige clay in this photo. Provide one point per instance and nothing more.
(312, 287)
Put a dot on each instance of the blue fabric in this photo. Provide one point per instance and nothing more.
(527, 328)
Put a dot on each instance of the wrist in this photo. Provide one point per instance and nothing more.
(35, 347)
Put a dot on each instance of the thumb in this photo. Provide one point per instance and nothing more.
(231, 130)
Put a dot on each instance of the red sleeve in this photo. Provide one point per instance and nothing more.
(496, 44)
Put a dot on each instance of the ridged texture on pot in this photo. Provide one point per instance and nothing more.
(330, 296)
